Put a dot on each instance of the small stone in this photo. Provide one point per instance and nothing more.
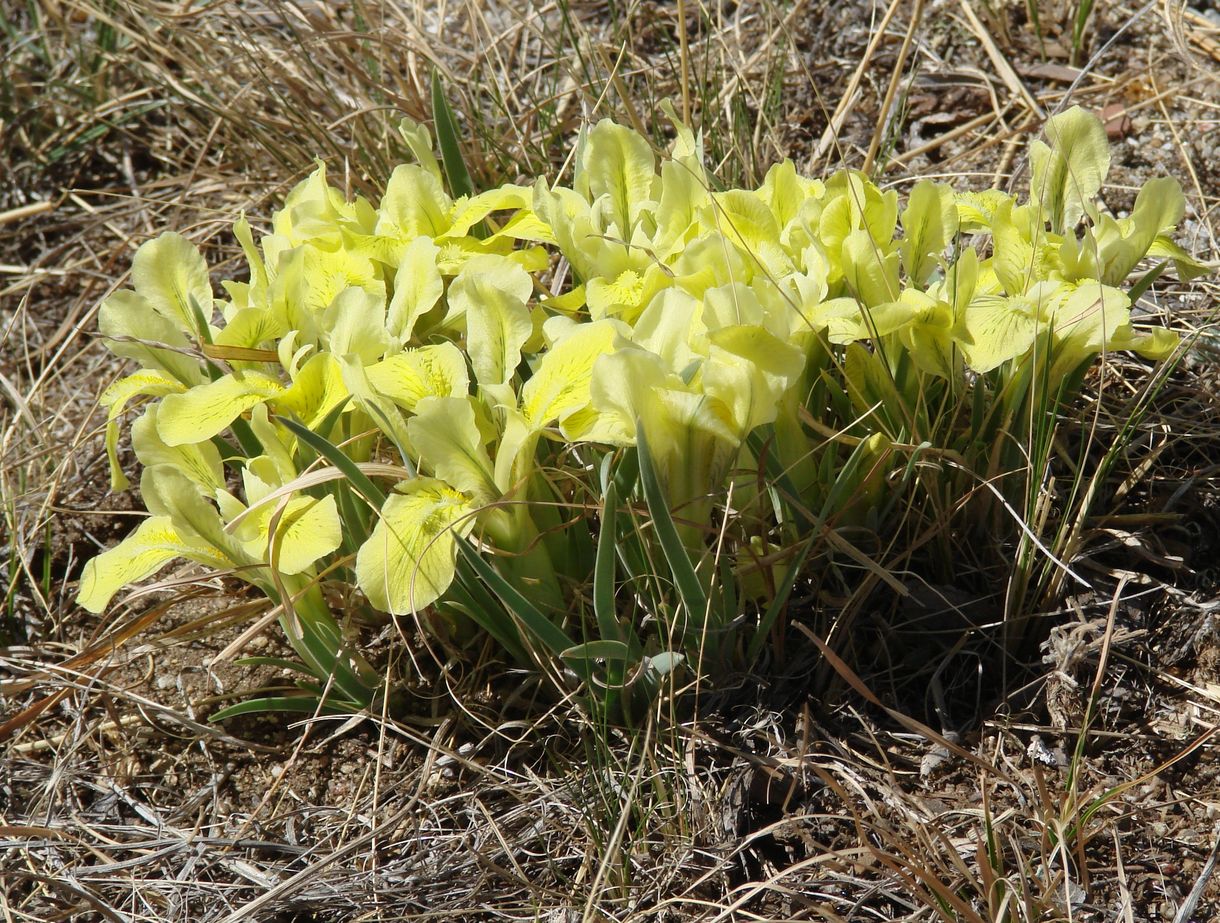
(1118, 123)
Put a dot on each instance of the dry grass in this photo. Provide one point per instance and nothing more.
(1089, 794)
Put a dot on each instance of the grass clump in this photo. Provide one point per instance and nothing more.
(620, 464)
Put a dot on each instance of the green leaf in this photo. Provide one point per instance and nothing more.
(1141, 285)
(690, 589)
(598, 650)
(337, 457)
(541, 628)
(469, 595)
(318, 641)
(294, 704)
(604, 578)
(791, 575)
(460, 183)
(280, 663)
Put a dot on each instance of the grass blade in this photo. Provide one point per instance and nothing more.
(469, 596)
(604, 575)
(337, 457)
(460, 183)
(547, 632)
(297, 704)
(690, 589)
(316, 637)
(769, 617)
(281, 663)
